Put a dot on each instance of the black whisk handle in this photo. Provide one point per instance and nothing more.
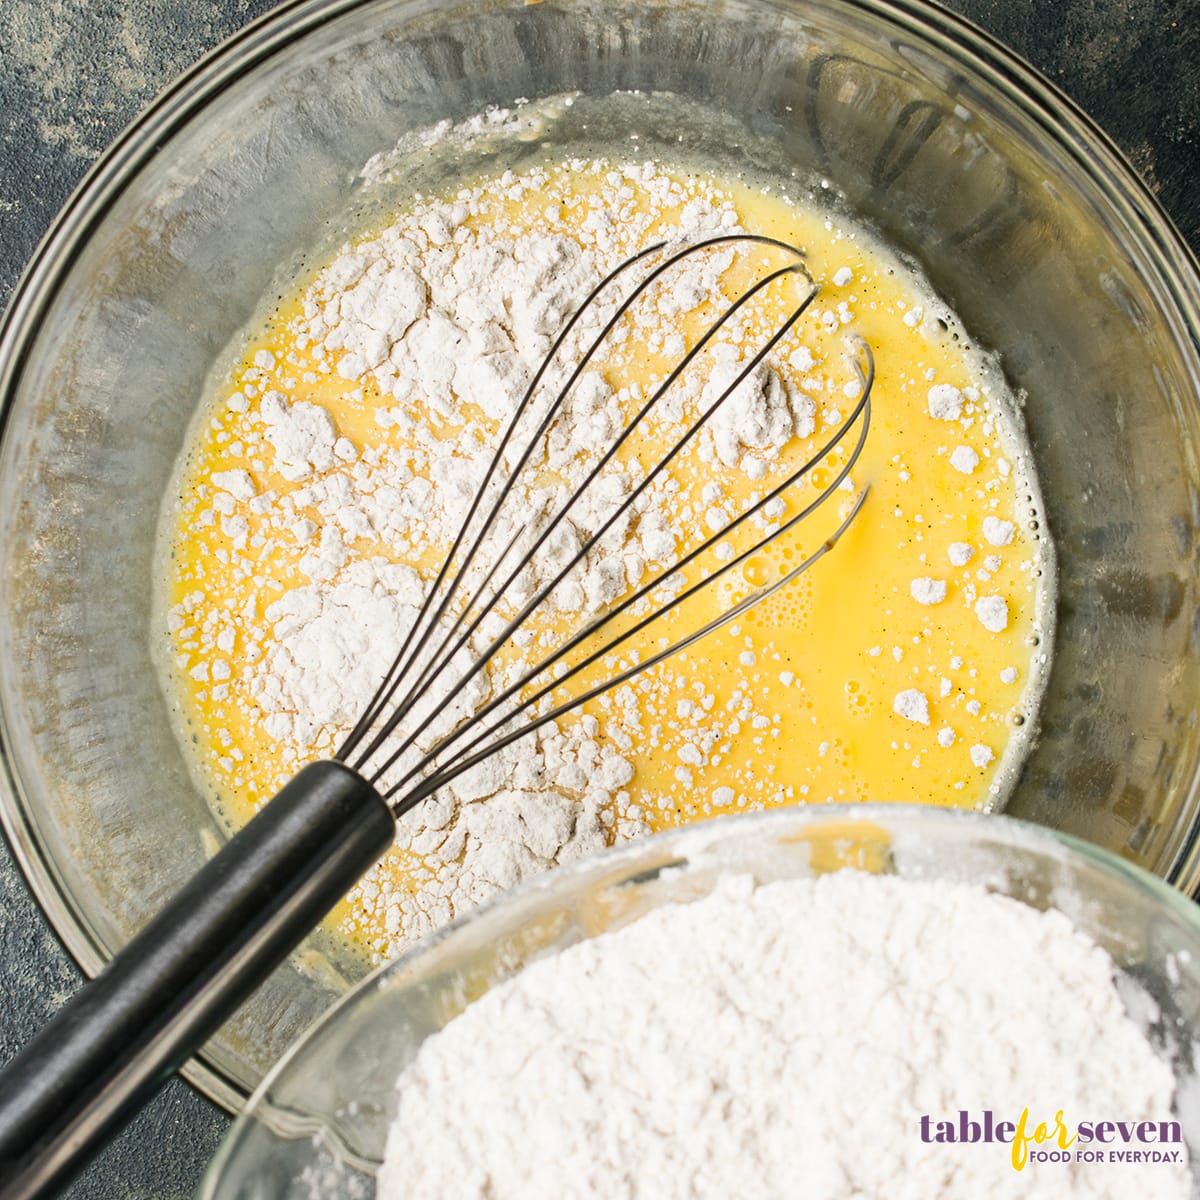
(164, 994)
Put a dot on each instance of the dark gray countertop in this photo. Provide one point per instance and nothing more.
(73, 73)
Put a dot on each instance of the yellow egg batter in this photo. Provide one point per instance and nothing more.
(905, 666)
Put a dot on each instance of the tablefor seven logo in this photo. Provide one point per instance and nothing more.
(1083, 1144)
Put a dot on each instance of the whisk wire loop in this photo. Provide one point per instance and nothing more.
(408, 654)
(470, 585)
(444, 655)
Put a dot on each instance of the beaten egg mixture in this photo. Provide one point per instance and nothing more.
(906, 665)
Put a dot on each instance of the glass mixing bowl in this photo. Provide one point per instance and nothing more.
(317, 1126)
(1020, 212)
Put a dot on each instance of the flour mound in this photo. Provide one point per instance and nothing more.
(781, 1041)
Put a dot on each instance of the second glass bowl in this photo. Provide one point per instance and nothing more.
(318, 1125)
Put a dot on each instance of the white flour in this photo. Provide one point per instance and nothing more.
(782, 1041)
(435, 314)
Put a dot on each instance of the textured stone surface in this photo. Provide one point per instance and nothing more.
(73, 74)
(1133, 66)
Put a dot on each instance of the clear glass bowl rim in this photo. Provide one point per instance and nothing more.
(1066, 126)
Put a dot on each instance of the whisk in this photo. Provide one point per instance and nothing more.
(499, 591)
